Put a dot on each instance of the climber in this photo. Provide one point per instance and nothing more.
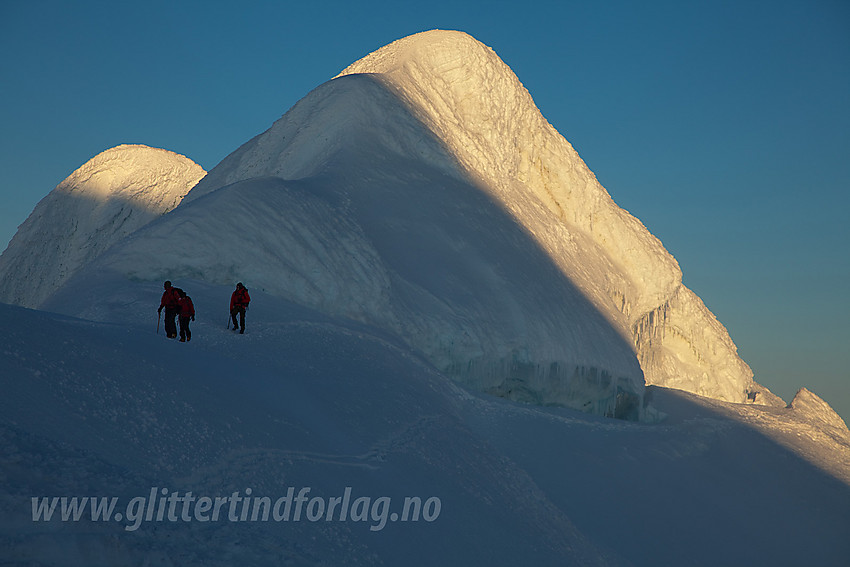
(239, 301)
(187, 312)
(171, 302)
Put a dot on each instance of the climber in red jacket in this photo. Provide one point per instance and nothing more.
(187, 312)
(171, 302)
(239, 301)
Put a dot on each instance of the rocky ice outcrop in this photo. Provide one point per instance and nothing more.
(110, 196)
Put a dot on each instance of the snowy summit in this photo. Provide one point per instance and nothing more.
(478, 108)
(112, 195)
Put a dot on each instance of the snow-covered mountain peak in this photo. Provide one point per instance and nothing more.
(473, 102)
(486, 119)
(153, 179)
(432, 45)
(477, 84)
(478, 92)
(110, 196)
(422, 192)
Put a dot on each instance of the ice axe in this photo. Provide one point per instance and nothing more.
(158, 316)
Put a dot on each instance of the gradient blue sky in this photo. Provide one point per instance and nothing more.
(724, 126)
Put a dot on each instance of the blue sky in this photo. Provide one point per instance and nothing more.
(724, 126)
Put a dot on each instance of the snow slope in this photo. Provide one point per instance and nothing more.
(109, 197)
(305, 400)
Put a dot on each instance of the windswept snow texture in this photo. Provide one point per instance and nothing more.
(304, 400)
(110, 196)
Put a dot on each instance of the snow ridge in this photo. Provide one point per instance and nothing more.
(110, 196)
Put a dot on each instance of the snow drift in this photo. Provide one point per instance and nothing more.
(110, 196)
